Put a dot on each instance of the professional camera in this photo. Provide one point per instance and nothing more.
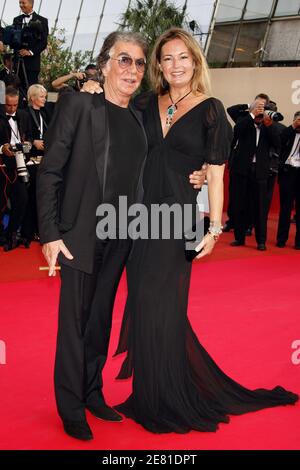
(18, 37)
(87, 77)
(274, 115)
(24, 147)
(19, 150)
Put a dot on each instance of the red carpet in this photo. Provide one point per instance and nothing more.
(244, 306)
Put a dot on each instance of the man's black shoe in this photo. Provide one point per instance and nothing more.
(261, 247)
(3, 238)
(105, 412)
(280, 244)
(297, 247)
(25, 242)
(78, 430)
(227, 227)
(237, 243)
(11, 243)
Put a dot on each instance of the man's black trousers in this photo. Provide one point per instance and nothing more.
(85, 318)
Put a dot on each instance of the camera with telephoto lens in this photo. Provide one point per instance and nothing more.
(20, 149)
(22, 37)
(274, 115)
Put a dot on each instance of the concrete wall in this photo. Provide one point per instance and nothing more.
(237, 85)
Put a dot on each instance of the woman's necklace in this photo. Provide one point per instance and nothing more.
(173, 108)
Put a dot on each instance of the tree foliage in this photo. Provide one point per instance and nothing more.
(151, 18)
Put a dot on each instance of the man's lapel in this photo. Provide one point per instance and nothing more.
(138, 116)
(5, 124)
(100, 135)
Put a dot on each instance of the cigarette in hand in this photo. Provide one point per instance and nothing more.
(46, 268)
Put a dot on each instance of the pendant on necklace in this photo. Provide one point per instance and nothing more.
(170, 113)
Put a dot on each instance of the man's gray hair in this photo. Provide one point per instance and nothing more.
(112, 39)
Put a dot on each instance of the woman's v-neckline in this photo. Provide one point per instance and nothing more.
(179, 119)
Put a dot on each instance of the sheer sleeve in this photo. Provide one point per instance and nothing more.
(219, 134)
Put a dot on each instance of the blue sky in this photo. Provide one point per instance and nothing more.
(199, 10)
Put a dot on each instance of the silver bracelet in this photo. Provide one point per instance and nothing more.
(215, 228)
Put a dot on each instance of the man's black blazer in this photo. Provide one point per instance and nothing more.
(237, 112)
(34, 62)
(245, 147)
(72, 176)
(287, 141)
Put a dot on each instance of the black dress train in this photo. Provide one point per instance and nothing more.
(177, 387)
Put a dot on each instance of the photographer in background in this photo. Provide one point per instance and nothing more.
(81, 78)
(289, 182)
(237, 112)
(36, 41)
(7, 74)
(254, 136)
(15, 135)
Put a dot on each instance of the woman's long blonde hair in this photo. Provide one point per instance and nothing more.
(201, 79)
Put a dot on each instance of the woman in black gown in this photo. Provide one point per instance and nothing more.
(177, 386)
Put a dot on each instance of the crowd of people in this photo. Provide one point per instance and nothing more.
(263, 150)
(24, 120)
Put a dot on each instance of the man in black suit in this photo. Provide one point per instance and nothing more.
(289, 182)
(36, 42)
(15, 128)
(7, 74)
(238, 112)
(81, 161)
(254, 135)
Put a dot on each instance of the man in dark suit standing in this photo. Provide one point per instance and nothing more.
(238, 112)
(36, 41)
(7, 74)
(95, 149)
(255, 135)
(15, 128)
(289, 182)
